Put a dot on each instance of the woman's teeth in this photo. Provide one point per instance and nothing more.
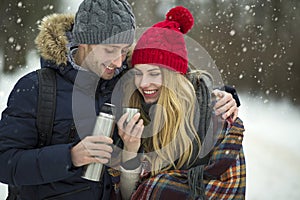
(110, 68)
(149, 91)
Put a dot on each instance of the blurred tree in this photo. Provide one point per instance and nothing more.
(145, 12)
(18, 25)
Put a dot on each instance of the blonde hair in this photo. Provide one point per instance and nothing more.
(173, 132)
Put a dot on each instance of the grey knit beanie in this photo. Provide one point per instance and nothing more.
(104, 22)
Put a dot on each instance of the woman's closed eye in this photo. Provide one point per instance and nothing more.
(138, 73)
(155, 74)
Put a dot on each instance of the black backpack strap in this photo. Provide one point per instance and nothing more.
(45, 115)
(46, 105)
(13, 192)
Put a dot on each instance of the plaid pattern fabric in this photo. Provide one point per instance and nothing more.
(166, 185)
(224, 176)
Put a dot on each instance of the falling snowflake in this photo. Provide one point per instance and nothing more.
(232, 33)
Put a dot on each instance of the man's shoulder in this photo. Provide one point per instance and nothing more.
(24, 92)
(28, 80)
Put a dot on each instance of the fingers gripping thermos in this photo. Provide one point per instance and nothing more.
(104, 126)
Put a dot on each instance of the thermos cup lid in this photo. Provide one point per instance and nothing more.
(108, 109)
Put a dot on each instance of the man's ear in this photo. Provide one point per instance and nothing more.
(81, 53)
(82, 48)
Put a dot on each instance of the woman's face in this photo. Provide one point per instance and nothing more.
(148, 80)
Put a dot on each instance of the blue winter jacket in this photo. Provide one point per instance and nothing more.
(47, 172)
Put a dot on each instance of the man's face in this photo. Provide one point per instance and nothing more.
(103, 59)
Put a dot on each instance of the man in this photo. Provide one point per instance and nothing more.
(103, 30)
(80, 51)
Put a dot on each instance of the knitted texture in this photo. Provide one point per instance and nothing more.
(104, 22)
(163, 44)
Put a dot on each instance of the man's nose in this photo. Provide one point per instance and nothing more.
(118, 61)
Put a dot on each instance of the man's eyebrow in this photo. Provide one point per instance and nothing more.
(116, 46)
(112, 46)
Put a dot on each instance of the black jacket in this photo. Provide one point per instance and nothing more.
(47, 172)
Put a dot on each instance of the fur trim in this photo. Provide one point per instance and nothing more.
(52, 40)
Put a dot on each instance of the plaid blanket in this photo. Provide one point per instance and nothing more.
(172, 184)
(224, 176)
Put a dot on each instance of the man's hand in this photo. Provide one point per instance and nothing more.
(225, 105)
(92, 149)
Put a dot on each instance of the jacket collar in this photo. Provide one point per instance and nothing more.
(52, 41)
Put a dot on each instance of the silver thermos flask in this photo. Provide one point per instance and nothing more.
(104, 126)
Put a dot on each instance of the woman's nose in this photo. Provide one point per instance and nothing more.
(145, 81)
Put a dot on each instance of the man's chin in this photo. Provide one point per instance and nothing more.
(107, 76)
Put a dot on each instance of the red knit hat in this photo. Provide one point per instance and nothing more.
(163, 43)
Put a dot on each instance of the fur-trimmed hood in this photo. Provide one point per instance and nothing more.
(52, 40)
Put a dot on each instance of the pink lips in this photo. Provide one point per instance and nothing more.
(149, 94)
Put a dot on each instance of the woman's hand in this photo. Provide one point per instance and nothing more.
(130, 133)
(225, 105)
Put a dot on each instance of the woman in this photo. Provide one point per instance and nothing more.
(166, 129)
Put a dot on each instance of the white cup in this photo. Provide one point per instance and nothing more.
(131, 111)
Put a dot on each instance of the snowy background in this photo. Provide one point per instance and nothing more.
(272, 145)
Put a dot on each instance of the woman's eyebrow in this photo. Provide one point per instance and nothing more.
(153, 69)
(149, 70)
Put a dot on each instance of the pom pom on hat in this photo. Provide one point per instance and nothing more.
(183, 16)
(163, 44)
